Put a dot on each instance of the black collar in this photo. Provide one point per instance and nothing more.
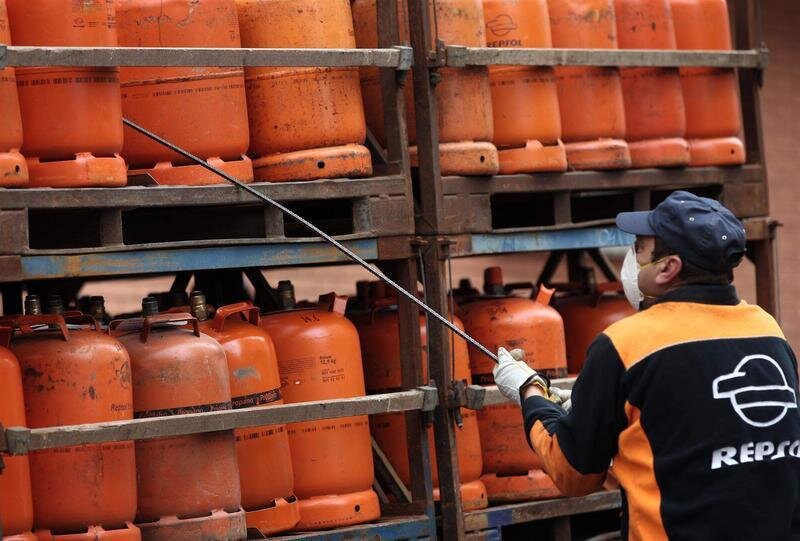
(704, 294)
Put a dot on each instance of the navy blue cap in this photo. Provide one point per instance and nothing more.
(699, 229)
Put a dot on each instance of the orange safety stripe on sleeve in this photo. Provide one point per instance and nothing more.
(672, 323)
(633, 467)
(568, 480)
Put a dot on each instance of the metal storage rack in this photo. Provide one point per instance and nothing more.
(382, 230)
(72, 235)
(457, 218)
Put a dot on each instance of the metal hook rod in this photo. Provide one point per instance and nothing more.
(342, 248)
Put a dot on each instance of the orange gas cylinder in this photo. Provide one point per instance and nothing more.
(305, 123)
(513, 471)
(184, 105)
(713, 114)
(463, 95)
(655, 118)
(188, 485)
(265, 461)
(527, 126)
(590, 98)
(13, 169)
(77, 375)
(16, 507)
(319, 358)
(71, 116)
(380, 346)
(586, 315)
(93, 533)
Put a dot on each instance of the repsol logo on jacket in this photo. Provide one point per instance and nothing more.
(754, 452)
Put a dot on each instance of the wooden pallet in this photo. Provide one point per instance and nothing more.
(51, 221)
(556, 201)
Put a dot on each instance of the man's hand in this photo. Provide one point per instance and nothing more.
(562, 397)
(510, 373)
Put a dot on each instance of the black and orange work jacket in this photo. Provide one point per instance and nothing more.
(694, 403)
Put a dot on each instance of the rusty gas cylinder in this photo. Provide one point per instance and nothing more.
(305, 123)
(711, 95)
(13, 169)
(527, 125)
(655, 117)
(380, 346)
(265, 461)
(587, 313)
(71, 116)
(319, 358)
(16, 505)
(590, 98)
(76, 375)
(512, 471)
(188, 485)
(184, 104)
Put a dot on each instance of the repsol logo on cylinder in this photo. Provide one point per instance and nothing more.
(760, 451)
(505, 43)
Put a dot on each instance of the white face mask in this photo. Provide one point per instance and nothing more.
(629, 276)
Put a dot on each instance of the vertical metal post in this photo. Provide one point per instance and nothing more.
(429, 224)
(764, 254)
(430, 183)
(405, 272)
(747, 25)
(412, 377)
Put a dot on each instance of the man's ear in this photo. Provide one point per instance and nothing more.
(670, 271)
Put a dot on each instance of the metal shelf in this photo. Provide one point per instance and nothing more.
(387, 529)
(538, 241)
(170, 260)
(517, 513)
(458, 56)
(21, 440)
(398, 57)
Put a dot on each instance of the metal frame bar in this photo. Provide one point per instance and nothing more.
(21, 440)
(517, 513)
(396, 57)
(458, 56)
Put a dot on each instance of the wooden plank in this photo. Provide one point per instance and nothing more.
(603, 180)
(458, 56)
(395, 57)
(387, 529)
(13, 231)
(22, 440)
(517, 513)
(222, 194)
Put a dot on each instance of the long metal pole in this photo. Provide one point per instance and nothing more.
(342, 248)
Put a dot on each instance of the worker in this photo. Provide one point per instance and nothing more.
(692, 400)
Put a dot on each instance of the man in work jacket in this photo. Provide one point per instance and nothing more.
(694, 398)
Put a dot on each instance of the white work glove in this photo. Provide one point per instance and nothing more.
(510, 374)
(562, 397)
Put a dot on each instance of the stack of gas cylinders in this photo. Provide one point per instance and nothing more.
(62, 126)
(181, 356)
(264, 124)
(518, 119)
(65, 368)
